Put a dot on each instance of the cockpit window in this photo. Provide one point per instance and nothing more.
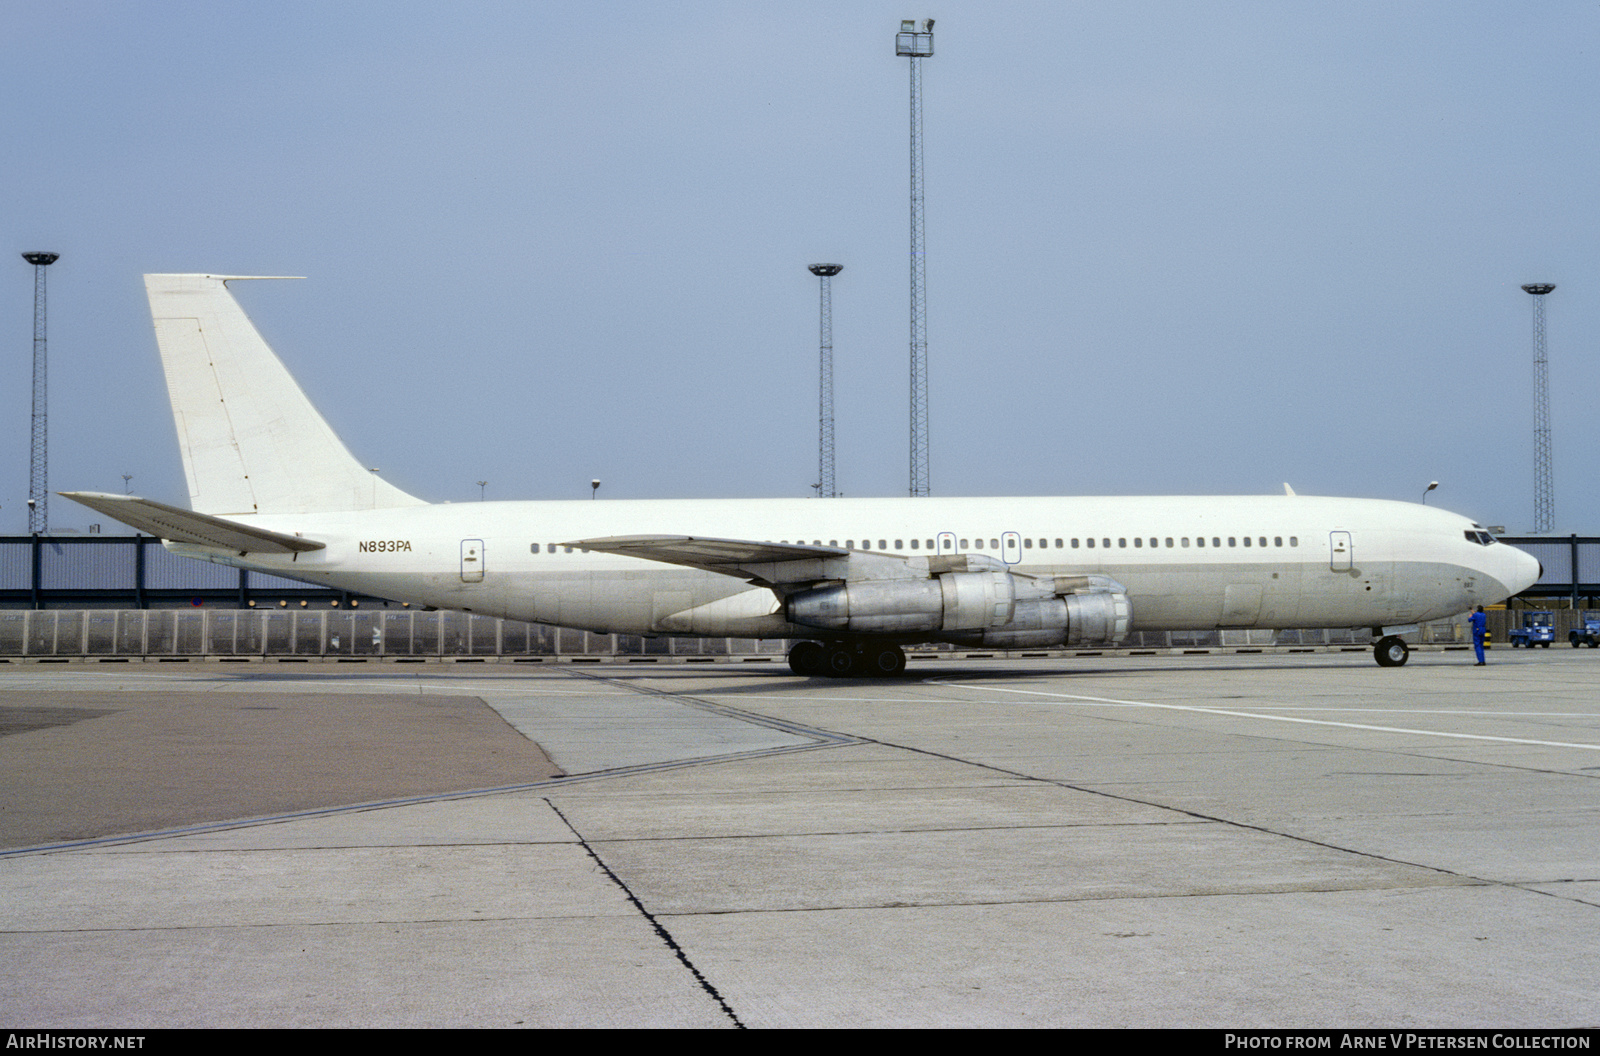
(1479, 536)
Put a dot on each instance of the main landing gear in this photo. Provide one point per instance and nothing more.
(1391, 652)
(847, 660)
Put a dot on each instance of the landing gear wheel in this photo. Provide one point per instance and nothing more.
(806, 659)
(840, 662)
(885, 661)
(1391, 652)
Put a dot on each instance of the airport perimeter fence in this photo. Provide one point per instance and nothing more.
(415, 635)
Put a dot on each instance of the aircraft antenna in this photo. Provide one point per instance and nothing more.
(39, 463)
(1544, 498)
(825, 490)
(917, 45)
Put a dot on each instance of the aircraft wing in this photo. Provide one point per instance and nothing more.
(786, 567)
(186, 526)
(710, 554)
(768, 564)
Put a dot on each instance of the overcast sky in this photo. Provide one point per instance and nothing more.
(1172, 247)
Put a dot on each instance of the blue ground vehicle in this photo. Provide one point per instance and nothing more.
(1587, 632)
(1538, 628)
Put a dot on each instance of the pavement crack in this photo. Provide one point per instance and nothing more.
(660, 929)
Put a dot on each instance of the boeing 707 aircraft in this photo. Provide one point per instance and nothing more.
(273, 489)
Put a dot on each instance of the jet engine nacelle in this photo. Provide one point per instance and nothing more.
(990, 608)
(952, 601)
(1078, 619)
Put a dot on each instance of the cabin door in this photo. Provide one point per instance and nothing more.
(472, 560)
(1341, 555)
(947, 542)
(1010, 547)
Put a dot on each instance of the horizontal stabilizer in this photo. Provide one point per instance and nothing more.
(186, 526)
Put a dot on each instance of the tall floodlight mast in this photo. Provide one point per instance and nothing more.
(917, 45)
(825, 272)
(1544, 492)
(39, 463)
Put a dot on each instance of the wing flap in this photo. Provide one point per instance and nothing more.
(186, 526)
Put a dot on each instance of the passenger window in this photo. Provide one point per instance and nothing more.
(568, 549)
(1027, 544)
(1169, 542)
(1277, 540)
(963, 544)
(978, 544)
(1232, 541)
(1091, 543)
(899, 544)
(1060, 545)
(1122, 542)
(1185, 541)
(1216, 540)
(1075, 543)
(1263, 540)
(914, 543)
(1200, 540)
(849, 544)
(994, 544)
(930, 544)
(1138, 542)
(1106, 543)
(1294, 540)
(1246, 540)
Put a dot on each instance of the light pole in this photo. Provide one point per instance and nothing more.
(1544, 491)
(39, 461)
(917, 45)
(824, 484)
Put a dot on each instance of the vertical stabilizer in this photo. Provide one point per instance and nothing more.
(251, 441)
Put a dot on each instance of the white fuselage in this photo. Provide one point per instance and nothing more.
(1188, 562)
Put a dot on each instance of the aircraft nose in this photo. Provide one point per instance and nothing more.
(1526, 571)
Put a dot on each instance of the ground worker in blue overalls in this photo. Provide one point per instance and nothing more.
(1480, 631)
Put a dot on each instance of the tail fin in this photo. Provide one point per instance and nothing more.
(251, 441)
